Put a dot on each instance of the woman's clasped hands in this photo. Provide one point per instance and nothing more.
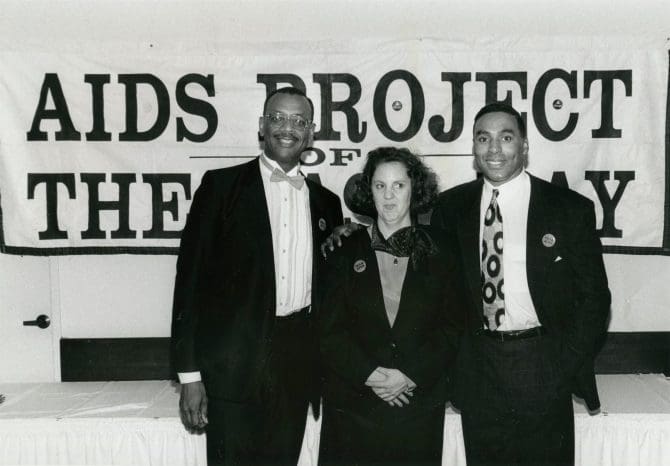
(391, 385)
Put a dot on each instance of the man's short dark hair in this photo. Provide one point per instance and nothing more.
(504, 108)
(289, 91)
(424, 181)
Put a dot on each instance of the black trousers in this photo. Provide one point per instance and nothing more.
(356, 439)
(517, 410)
(268, 430)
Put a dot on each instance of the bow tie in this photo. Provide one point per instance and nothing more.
(278, 176)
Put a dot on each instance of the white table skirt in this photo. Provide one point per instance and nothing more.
(114, 441)
(96, 423)
(137, 423)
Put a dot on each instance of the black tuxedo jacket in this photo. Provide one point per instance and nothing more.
(356, 336)
(566, 276)
(224, 297)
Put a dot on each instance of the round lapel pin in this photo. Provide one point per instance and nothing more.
(360, 266)
(548, 240)
(322, 224)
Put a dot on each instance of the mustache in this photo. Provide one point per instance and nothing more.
(285, 134)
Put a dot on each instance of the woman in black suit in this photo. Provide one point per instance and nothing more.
(389, 324)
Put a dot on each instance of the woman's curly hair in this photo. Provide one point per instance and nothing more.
(424, 181)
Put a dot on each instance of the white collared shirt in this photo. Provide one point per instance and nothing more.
(290, 222)
(513, 201)
(291, 225)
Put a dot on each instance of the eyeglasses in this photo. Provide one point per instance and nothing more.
(278, 119)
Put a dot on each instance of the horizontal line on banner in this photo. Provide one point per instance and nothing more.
(90, 250)
(222, 156)
(254, 156)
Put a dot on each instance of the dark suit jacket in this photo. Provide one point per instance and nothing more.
(224, 297)
(567, 280)
(356, 336)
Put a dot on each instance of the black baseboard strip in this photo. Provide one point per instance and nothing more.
(92, 359)
(635, 353)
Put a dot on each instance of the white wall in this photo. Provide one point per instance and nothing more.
(116, 296)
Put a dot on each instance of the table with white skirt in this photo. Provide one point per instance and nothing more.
(137, 423)
(96, 423)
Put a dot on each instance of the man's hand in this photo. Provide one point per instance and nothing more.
(335, 237)
(193, 406)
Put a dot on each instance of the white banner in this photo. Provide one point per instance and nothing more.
(101, 152)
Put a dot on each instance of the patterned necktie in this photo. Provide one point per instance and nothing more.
(492, 266)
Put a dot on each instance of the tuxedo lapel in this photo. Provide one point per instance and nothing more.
(468, 237)
(253, 210)
(537, 254)
(321, 227)
(320, 218)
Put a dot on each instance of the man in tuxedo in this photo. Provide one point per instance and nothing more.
(244, 344)
(539, 301)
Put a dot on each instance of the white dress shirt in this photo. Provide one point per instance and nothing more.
(513, 201)
(291, 225)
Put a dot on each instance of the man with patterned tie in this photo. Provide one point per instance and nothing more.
(539, 301)
(244, 345)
